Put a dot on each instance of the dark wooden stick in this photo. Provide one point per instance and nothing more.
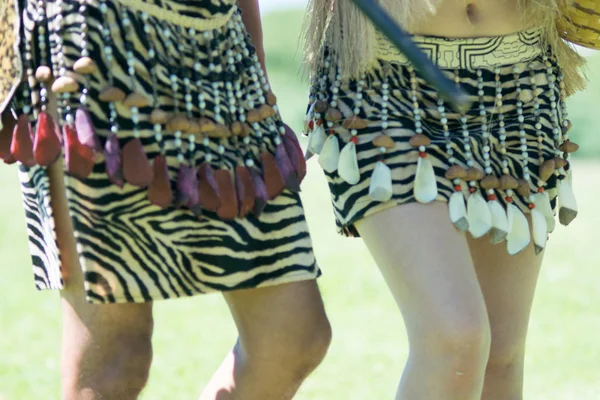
(448, 90)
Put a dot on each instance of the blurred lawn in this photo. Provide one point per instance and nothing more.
(369, 347)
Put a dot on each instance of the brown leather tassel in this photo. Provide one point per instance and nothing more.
(261, 197)
(79, 159)
(294, 151)
(187, 189)
(113, 161)
(136, 167)
(21, 147)
(272, 176)
(47, 146)
(85, 129)
(6, 134)
(245, 190)
(229, 205)
(286, 168)
(208, 190)
(160, 192)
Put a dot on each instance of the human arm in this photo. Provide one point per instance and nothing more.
(252, 21)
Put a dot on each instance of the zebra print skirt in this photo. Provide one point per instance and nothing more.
(387, 138)
(181, 177)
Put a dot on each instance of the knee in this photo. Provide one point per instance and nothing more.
(300, 349)
(307, 347)
(462, 345)
(313, 346)
(506, 361)
(117, 368)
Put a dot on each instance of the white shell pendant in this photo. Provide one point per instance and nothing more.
(458, 211)
(568, 204)
(317, 139)
(330, 154)
(499, 230)
(542, 203)
(425, 183)
(380, 188)
(348, 164)
(308, 117)
(479, 215)
(540, 230)
(518, 230)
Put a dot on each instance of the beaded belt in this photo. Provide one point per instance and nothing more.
(469, 53)
(177, 18)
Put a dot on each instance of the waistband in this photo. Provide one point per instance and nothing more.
(181, 13)
(469, 53)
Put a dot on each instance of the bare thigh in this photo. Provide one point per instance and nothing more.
(92, 334)
(427, 265)
(508, 284)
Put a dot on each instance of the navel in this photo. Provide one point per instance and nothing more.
(472, 12)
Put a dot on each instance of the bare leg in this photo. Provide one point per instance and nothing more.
(427, 266)
(106, 349)
(284, 335)
(508, 284)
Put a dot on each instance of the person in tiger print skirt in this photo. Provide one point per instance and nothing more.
(455, 206)
(178, 178)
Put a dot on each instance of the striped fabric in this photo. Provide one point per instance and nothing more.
(462, 60)
(129, 249)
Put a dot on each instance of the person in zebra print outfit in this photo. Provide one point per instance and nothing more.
(178, 178)
(455, 206)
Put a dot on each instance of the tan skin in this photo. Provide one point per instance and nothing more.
(107, 349)
(466, 303)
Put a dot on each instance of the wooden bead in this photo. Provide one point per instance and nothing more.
(456, 172)
(65, 84)
(245, 130)
(85, 65)
(568, 147)
(419, 140)
(206, 125)
(220, 132)
(355, 123)
(178, 123)
(194, 127)
(490, 182)
(547, 170)
(560, 162)
(523, 188)
(333, 115)
(237, 128)
(253, 116)
(111, 94)
(271, 99)
(159, 116)
(474, 174)
(266, 111)
(136, 100)
(508, 182)
(321, 106)
(43, 73)
(384, 141)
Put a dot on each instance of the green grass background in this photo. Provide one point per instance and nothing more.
(369, 347)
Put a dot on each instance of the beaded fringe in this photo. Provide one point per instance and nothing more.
(469, 209)
(230, 193)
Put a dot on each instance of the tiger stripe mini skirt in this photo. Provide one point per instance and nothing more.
(181, 177)
(386, 138)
